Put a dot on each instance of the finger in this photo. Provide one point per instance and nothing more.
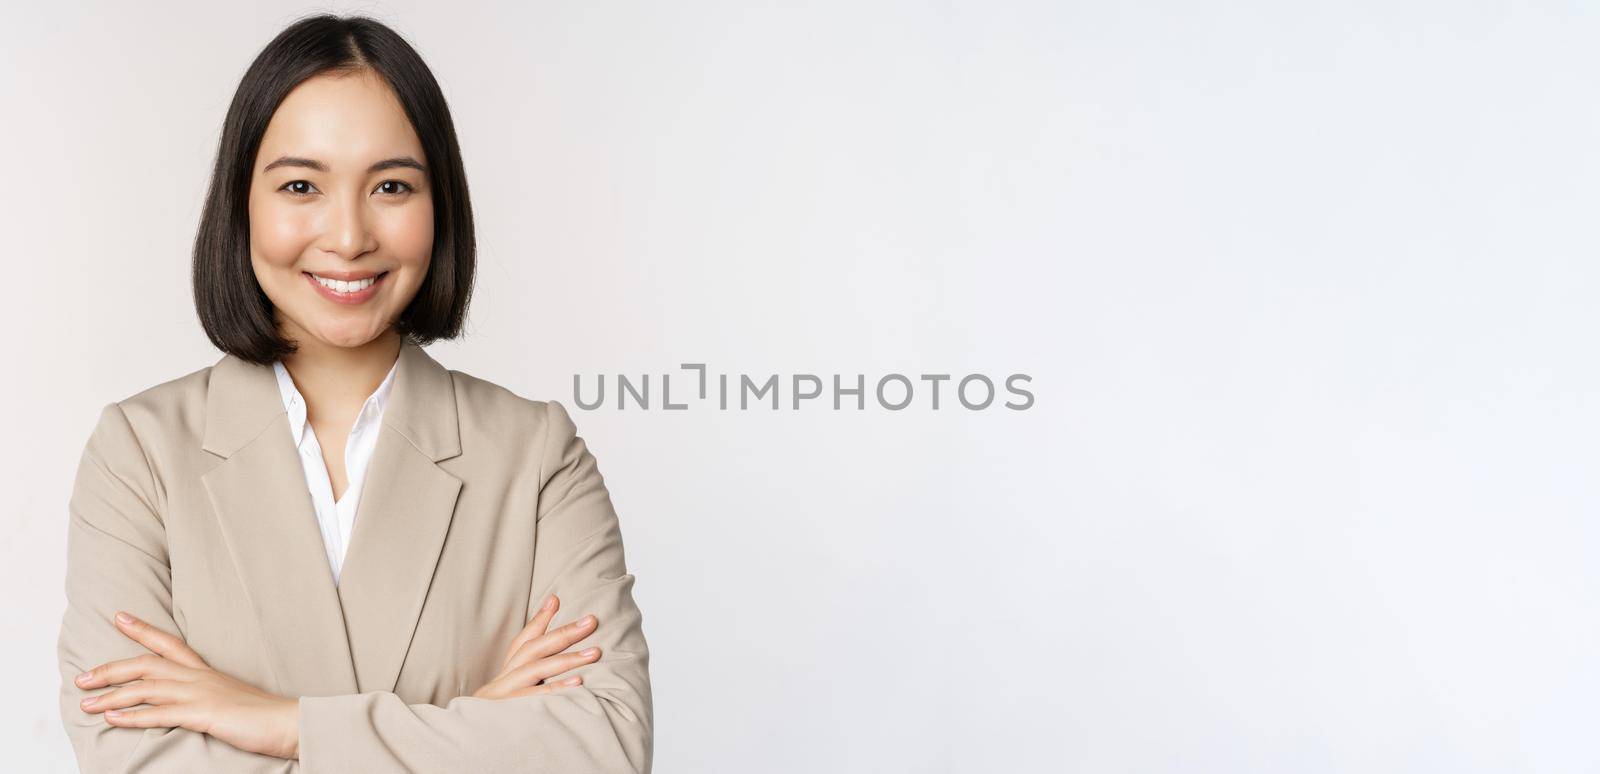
(142, 692)
(552, 642)
(547, 687)
(148, 666)
(167, 716)
(545, 668)
(162, 643)
(535, 628)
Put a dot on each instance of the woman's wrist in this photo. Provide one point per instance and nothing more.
(291, 729)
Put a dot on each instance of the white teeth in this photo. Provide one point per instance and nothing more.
(340, 286)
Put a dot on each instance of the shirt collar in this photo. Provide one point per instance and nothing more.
(371, 410)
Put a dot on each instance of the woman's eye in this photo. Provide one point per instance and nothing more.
(394, 187)
(298, 187)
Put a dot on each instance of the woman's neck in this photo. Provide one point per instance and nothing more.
(335, 381)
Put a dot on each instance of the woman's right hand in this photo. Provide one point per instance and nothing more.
(536, 655)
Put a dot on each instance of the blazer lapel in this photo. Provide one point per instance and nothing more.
(407, 502)
(323, 638)
(264, 511)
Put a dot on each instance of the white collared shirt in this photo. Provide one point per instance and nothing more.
(336, 519)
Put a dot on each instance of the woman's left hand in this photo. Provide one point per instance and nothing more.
(185, 692)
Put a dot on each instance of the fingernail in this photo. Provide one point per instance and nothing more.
(586, 622)
(113, 713)
(587, 652)
(124, 618)
(81, 679)
(549, 601)
(89, 702)
(572, 681)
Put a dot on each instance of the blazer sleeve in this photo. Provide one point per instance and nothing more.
(603, 725)
(117, 560)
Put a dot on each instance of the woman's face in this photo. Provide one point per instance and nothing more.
(339, 196)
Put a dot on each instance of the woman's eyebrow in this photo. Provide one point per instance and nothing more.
(397, 161)
(296, 161)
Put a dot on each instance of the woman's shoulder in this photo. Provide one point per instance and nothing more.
(519, 431)
(168, 402)
(174, 411)
(493, 406)
(188, 388)
(154, 418)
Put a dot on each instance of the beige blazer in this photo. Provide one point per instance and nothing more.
(190, 510)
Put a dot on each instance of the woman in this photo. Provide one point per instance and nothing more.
(327, 552)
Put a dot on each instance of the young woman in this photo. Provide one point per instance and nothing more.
(327, 552)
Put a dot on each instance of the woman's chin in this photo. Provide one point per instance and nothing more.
(343, 337)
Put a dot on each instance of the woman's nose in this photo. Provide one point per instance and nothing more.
(348, 233)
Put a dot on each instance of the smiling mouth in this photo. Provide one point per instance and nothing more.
(343, 287)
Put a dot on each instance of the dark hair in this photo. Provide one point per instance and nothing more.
(235, 311)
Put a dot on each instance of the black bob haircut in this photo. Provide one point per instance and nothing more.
(236, 313)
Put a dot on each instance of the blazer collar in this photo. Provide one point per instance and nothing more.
(321, 637)
(243, 399)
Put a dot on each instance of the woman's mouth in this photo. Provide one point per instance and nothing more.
(343, 291)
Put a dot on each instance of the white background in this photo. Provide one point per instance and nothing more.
(1307, 292)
